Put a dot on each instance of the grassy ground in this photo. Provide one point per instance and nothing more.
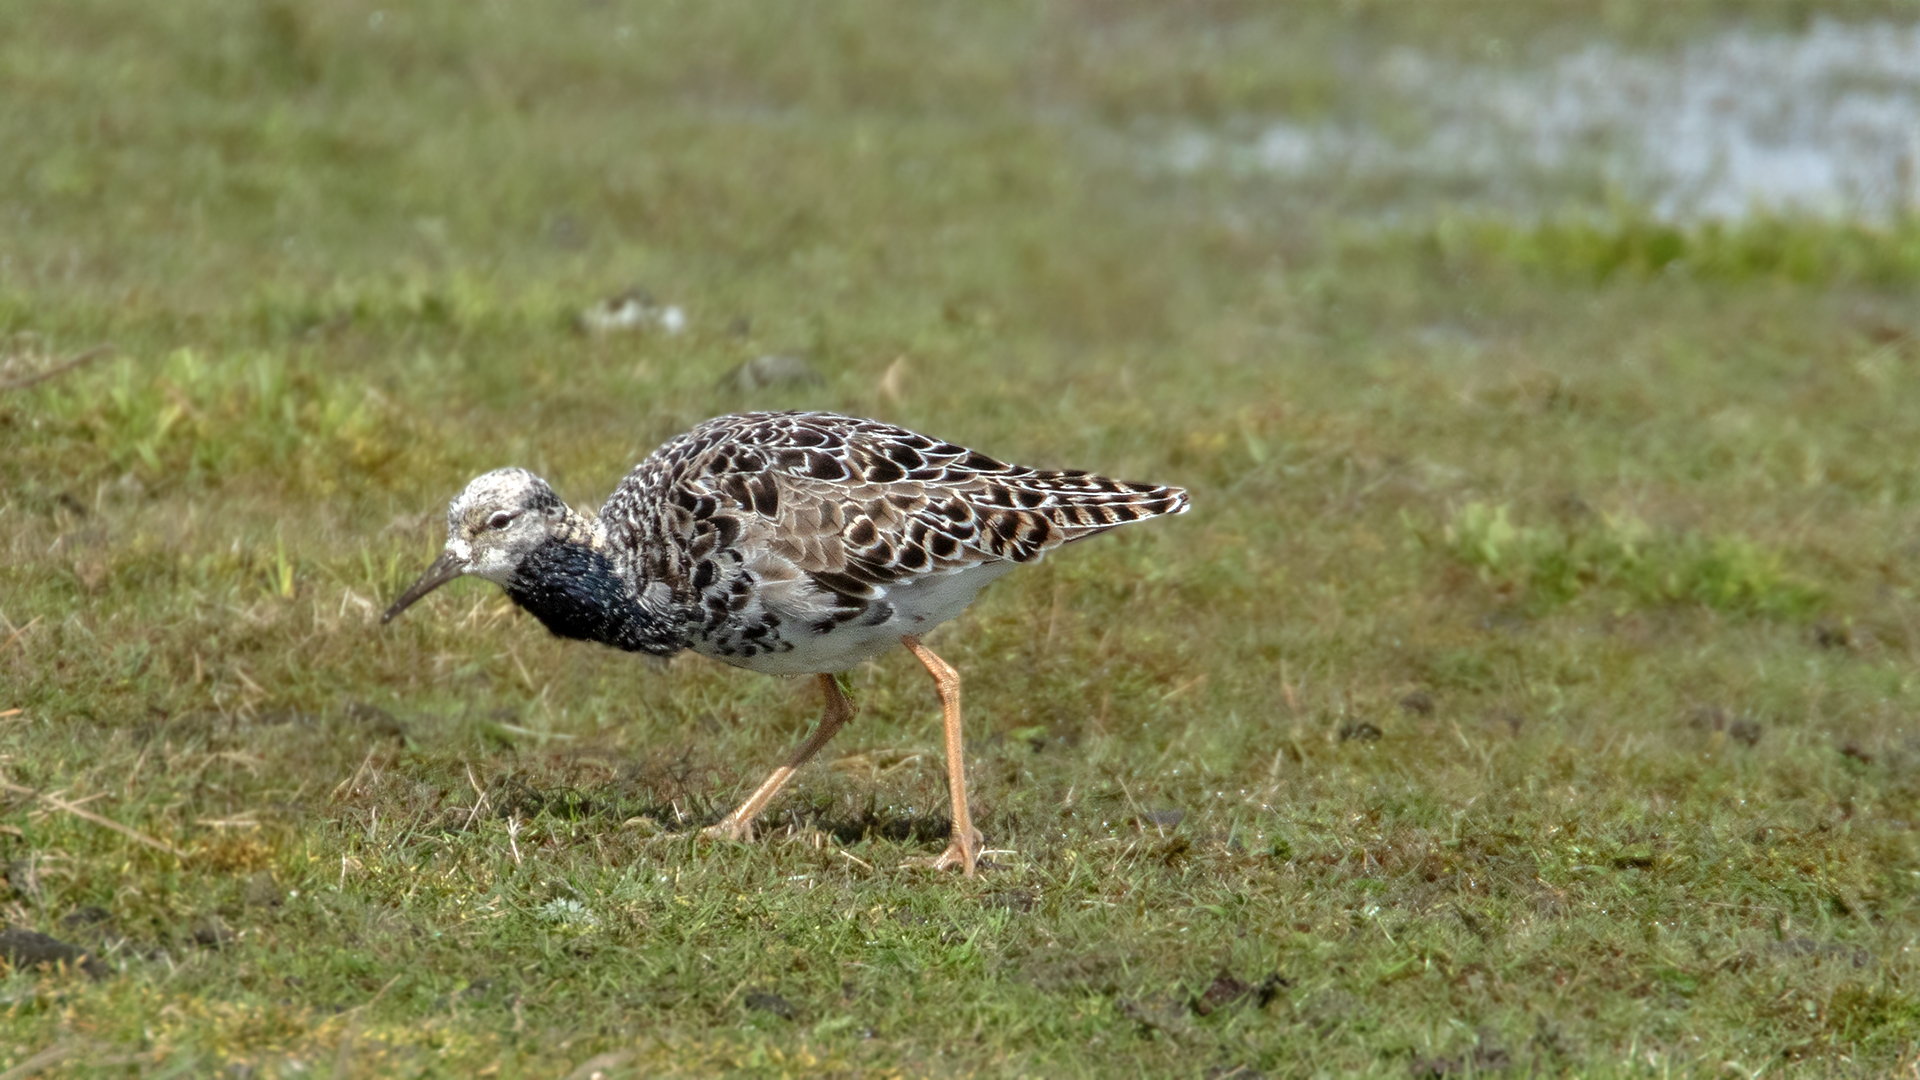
(1532, 689)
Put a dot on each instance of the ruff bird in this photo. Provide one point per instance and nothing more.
(791, 543)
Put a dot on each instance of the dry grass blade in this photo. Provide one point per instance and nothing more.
(105, 822)
(15, 636)
(81, 812)
(45, 1059)
(21, 382)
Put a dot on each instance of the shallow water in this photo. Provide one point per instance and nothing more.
(1824, 122)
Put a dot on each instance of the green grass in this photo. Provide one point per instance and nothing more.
(1534, 680)
(1547, 567)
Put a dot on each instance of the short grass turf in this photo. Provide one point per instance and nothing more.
(1531, 690)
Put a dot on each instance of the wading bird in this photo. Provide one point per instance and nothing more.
(796, 543)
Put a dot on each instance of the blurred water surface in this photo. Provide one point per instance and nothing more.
(1824, 121)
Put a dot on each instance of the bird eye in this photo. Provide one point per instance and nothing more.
(501, 519)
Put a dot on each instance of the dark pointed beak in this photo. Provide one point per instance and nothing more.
(444, 569)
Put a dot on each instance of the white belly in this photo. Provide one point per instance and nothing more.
(919, 605)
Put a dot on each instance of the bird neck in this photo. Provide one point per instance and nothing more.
(569, 584)
(577, 528)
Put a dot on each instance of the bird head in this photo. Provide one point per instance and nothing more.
(499, 519)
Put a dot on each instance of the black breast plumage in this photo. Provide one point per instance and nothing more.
(574, 590)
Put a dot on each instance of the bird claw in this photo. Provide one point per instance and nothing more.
(737, 832)
(954, 856)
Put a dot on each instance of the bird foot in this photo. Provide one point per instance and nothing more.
(737, 832)
(954, 856)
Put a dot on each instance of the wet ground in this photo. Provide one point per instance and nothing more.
(1824, 121)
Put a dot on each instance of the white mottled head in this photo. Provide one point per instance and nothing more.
(499, 519)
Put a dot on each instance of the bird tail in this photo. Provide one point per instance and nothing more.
(1020, 514)
(1079, 504)
(1079, 500)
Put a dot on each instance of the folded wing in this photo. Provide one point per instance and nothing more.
(858, 505)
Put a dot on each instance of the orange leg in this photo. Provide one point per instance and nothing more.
(839, 710)
(966, 839)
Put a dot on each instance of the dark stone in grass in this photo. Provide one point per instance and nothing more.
(1173, 850)
(1419, 703)
(1228, 990)
(93, 926)
(1269, 989)
(762, 1001)
(1362, 731)
(212, 932)
(1833, 636)
(84, 917)
(1224, 990)
(30, 948)
(1016, 900)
